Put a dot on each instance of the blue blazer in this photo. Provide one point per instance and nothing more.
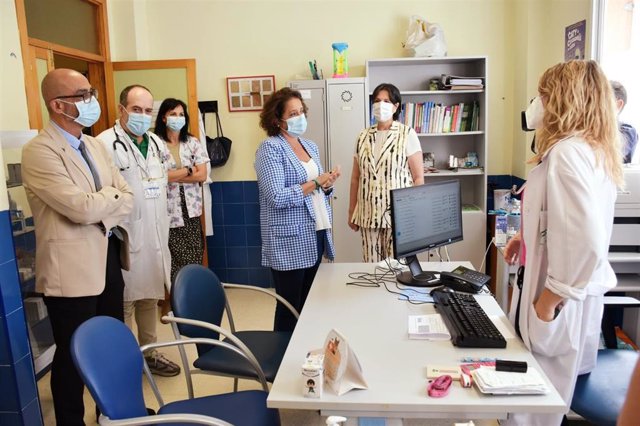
(287, 220)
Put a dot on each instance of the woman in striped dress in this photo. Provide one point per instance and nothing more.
(388, 156)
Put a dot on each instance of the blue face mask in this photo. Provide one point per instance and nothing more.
(176, 123)
(138, 124)
(296, 126)
(88, 113)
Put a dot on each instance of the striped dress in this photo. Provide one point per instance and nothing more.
(378, 176)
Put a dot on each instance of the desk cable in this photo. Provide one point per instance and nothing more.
(484, 258)
(375, 280)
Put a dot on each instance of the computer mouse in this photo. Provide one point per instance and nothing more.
(442, 289)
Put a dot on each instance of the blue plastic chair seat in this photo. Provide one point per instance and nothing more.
(599, 395)
(110, 363)
(229, 407)
(268, 347)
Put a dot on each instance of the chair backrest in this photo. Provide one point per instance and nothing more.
(108, 358)
(198, 294)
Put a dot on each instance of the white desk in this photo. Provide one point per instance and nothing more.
(375, 324)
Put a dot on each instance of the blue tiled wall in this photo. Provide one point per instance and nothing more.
(234, 249)
(19, 403)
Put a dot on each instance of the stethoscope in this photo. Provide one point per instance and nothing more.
(119, 141)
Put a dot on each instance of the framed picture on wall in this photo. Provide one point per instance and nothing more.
(249, 93)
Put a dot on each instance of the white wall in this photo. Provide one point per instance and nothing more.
(249, 37)
(13, 108)
(539, 43)
(239, 38)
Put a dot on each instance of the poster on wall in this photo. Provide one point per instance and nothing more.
(574, 40)
(249, 93)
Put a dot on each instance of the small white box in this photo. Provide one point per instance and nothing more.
(501, 231)
(313, 376)
(34, 309)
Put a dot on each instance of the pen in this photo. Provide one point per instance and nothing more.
(313, 74)
(472, 359)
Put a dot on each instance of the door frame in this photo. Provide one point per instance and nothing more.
(31, 47)
(189, 65)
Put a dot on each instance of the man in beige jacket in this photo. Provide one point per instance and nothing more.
(77, 197)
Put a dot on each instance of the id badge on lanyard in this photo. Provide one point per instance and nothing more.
(151, 188)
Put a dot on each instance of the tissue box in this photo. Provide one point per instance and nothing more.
(313, 376)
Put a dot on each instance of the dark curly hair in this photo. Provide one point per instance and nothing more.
(274, 108)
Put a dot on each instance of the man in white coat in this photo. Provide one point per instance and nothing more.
(140, 156)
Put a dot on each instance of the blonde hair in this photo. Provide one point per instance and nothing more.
(578, 99)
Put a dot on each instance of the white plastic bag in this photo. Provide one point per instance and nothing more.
(424, 38)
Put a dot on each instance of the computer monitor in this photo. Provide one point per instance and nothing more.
(424, 217)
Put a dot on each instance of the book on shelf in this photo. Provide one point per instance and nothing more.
(429, 117)
(469, 87)
(465, 117)
(447, 82)
(465, 81)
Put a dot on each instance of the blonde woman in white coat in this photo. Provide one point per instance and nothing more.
(567, 220)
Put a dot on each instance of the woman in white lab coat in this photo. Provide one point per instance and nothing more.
(566, 226)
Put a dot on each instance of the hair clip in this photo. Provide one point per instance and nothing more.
(439, 387)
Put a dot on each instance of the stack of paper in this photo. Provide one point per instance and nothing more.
(491, 381)
(430, 327)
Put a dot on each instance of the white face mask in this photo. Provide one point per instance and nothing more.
(382, 111)
(88, 113)
(534, 114)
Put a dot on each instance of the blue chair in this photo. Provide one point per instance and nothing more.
(199, 302)
(600, 394)
(110, 363)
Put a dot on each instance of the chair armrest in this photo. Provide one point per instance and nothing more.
(196, 340)
(165, 418)
(237, 342)
(270, 293)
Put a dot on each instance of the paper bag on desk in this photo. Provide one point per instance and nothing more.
(342, 371)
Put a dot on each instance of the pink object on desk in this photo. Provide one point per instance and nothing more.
(440, 387)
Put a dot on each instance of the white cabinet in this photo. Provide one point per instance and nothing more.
(624, 249)
(337, 112)
(411, 76)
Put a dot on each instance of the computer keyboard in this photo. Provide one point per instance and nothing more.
(467, 322)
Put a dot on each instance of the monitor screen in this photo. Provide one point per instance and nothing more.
(424, 217)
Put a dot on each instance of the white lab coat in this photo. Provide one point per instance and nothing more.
(206, 191)
(148, 222)
(567, 221)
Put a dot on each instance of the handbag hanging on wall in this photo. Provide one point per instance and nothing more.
(218, 148)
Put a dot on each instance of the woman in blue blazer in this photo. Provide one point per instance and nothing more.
(295, 217)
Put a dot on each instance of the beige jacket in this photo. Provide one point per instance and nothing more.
(70, 217)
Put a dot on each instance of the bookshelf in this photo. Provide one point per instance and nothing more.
(411, 76)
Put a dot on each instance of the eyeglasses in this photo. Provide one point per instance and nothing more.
(86, 96)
